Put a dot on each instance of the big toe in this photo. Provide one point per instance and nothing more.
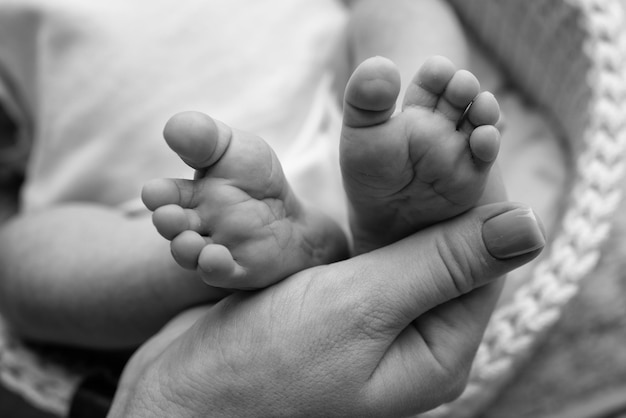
(371, 93)
(197, 138)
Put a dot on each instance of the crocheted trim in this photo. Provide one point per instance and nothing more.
(516, 328)
(44, 384)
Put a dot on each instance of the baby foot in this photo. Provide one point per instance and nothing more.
(427, 163)
(238, 222)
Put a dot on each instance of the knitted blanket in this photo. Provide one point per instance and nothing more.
(579, 370)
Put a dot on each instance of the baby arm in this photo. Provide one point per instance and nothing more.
(92, 276)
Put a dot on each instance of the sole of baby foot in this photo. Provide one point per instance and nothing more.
(237, 223)
(425, 164)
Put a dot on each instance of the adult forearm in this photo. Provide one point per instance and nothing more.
(91, 275)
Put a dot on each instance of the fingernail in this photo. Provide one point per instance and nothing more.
(513, 233)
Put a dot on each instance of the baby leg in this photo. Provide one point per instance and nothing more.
(429, 162)
(238, 222)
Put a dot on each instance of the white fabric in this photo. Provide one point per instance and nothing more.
(96, 81)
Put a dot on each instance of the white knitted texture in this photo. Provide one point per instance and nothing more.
(41, 382)
(518, 327)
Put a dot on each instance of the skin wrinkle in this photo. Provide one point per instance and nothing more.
(160, 389)
(195, 222)
(455, 273)
(441, 351)
(146, 408)
(373, 311)
(423, 337)
(399, 201)
(281, 228)
(273, 221)
(312, 249)
(329, 339)
(350, 137)
(434, 374)
(433, 184)
(356, 178)
(346, 296)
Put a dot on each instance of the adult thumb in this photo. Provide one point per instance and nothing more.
(445, 261)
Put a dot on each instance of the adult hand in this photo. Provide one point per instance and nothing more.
(389, 333)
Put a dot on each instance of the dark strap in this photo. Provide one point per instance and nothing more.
(94, 396)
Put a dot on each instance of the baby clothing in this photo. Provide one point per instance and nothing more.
(91, 85)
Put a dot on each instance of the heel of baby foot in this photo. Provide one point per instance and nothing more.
(371, 93)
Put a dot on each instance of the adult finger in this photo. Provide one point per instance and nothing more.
(406, 279)
(433, 355)
(435, 306)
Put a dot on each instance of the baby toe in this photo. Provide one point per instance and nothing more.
(218, 268)
(458, 94)
(484, 143)
(171, 220)
(371, 93)
(186, 248)
(159, 192)
(484, 110)
(430, 82)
